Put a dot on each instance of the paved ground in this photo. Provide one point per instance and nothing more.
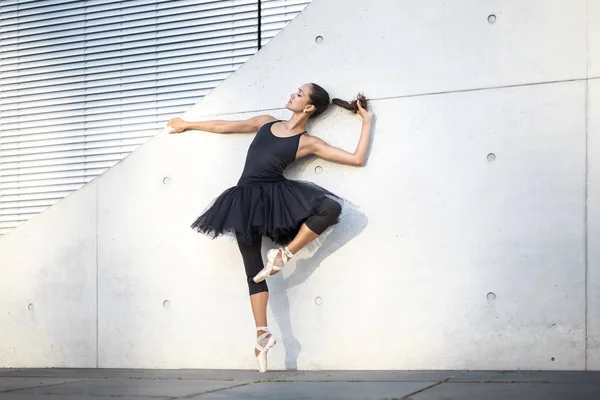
(98, 384)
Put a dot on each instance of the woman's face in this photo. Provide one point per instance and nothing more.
(300, 100)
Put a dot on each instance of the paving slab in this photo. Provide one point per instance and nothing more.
(510, 391)
(133, 387)
(17, 396)
(320, 391)
(528, 376)
(370, 376)
(17, 383)
(125, 384)
(194, 374)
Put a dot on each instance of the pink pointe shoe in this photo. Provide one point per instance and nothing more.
(261, 358)
(286, 255)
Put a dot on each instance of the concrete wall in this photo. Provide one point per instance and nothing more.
(468, 241)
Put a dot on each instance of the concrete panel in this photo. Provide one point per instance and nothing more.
(593, 221)
(445, 229)
(148, 254)
(444, 226)
(593, 15)
(48, 287)
(390, 48)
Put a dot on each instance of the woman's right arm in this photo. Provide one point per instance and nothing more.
(220, 126)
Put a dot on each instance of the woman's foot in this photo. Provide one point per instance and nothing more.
(264, 342)
(276, 259)
(283, 256)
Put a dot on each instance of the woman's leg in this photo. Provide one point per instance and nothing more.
(259, 301)
(259, 292)
(326, 214)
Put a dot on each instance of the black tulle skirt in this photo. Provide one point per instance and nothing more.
(276, 210)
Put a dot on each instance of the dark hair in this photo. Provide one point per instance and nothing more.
(320, 99)
(352, 106)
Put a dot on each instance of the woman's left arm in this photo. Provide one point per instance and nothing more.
(321, 149)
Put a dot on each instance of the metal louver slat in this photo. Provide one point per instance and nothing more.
(85, 83)
(276, 14)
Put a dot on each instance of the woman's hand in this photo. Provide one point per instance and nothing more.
(366, 114)
(177, 125)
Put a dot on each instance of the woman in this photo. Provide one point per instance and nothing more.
(265, 203)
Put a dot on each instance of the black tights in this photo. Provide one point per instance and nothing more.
(326, 214)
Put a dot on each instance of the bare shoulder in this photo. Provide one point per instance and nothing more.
(311, 141)
(260, 120)
(308, 145)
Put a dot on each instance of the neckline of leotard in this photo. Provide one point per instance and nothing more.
(282, 137)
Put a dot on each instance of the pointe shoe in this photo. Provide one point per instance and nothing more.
(261, 358)
(286, 255)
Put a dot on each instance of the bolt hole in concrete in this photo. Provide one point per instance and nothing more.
(166, 180)
(318, 301)
(31, 307)
(491, 18)
(318, 169)
(491, 296)
(491, 157)
(166, 304)
(319, 39)
(552, 359)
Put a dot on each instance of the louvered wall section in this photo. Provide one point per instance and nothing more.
(275, 14)
(84, 83)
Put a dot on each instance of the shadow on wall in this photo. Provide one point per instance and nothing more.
(352, 223)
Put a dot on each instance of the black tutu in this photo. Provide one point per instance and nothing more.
(276, 210)
(264, 202)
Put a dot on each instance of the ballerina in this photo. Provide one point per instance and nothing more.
(265, 203)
